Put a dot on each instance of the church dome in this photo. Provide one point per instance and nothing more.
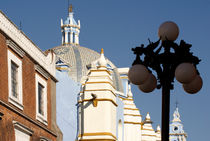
(79, 60)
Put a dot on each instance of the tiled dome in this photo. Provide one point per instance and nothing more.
(78, 58)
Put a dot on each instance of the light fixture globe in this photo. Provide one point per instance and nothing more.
(168, 30)
(138, 74)
(194, 86)
(149, 85)
(185, 73)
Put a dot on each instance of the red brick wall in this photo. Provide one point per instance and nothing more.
(7, 129)
(29, 91)
(3, 69)
(29, 98)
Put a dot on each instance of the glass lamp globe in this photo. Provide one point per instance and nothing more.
(168, 30)
(138, 74)
(185, 72)
(149, 85)
(194, 86)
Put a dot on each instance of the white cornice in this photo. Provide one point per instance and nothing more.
(44, 139)
(22, 127)
(17, 49)
(41, 71)
(11, 30)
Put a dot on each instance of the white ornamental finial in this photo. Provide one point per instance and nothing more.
(102, 61)
(148, 116)
(158, 128)
(148, 119)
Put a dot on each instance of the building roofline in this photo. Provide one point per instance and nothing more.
(11, 30)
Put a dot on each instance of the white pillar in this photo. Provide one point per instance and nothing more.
(66, 37)
(76, 39)
(62, 38)
(71, 34)
(180, 138)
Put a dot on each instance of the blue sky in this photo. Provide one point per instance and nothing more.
(119, 25)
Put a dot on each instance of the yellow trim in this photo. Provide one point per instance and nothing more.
(123, 77)
(149, 135)
(60, 68)
(70, 25)
(131, 108)
(127, 122)
(102, 99)
(129, 104)
(101, 82)
(100, 90)
(126, 99)
(97, 134)
(70, 44)
(101, 76)
(148, 129)
(101, 70)
(96, 140)
(132, 115)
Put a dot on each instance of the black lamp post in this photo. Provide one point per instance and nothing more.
(168, 60)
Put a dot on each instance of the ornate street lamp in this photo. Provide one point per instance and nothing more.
(168, 60)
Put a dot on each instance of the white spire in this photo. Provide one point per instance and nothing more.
(176, 127)
(148, 119)
(176, 116)
(158, 128)
(148, 116)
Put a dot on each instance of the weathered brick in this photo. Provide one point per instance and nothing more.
(29, 99)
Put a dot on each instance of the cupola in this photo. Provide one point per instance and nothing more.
(70, 29)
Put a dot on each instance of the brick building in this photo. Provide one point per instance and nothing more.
(27, 88)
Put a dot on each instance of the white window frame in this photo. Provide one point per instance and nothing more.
(18, 102)
(44, 139)
(21, 131)
(43, 82)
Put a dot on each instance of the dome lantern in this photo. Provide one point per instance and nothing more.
(70, 29)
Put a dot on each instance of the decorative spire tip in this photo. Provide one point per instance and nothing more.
(70, 9)
(102, 51)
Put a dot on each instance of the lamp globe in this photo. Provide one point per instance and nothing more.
(185, 72)
(194, 86)
(138, 74)
(168, 30)
(149, 85)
